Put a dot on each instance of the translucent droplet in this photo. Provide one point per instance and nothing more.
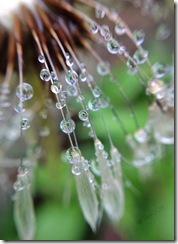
(77, 170)
(19, 107)
(54, 76)
(103, 68)
(99, 12)
(94, 104)
(113, 46)
(24, 92)
(71, 77)
(139, 36)
(67, 55)
(94, 28)
(120, 29)
(82, 77)
(45, 75)
(83, 115)
(72, 91)
(83, 67)
(41, 59)
(61, 104)
(70, 153)
(69, 62)
(104, 30)
(44, 114)
(96, 91)
(159, 70)
(67, 126)
(140, 57)
(64, 94)
(131, 63)
(24, 124)
(55, 89)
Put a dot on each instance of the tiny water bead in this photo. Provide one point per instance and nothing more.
(67, 126)
(139, 36)
(94, 27)
(99, 12)
(140, 56)
(120, 29)
(104, 30)
(24, 92)
(113, 46)
(94, 104)
(24, 124)
(72, 91)
(141, 136)
(41, 59)
(82, 77)
(71, 77)
(77, 169)
(69, 62)
(103, 68)
(83, 115)
(55, 89)
(96, 91)
(159, 70)
(61, 104)
(19, 107)
(45, 75)
(54, 76)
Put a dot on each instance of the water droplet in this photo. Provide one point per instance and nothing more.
(82, 77)
(83, 115)
(113, 46)
(77, 169)
(154, 86)
(45, 75)
(96, 91)
(67, 55)
(24, 92)
(43, 113)
(99, 12)
(70, 153)
(67, 126)
(140, 57)
(61, 104)
(94, 104)
(54, 75)
(139, 36)
(120, 29)
(19, 107)
(104, 30)
(159, 70)
(64, 94)
(55, 89)
(24, 124)
(131, 63)
(83, 67)
(41, 59)
(94, 28)
(71, 77)
(72, 91)
(69, 62)
(103, 68)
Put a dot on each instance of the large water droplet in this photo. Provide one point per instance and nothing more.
(94, 104)
(70, 153)
(45, 75)
(159, 70)
(140, 57)
(41, 59)
(67, 126)
(72, 91)
(24, 92)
